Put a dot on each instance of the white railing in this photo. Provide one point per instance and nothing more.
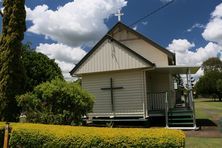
(156, 101)
(166, 109)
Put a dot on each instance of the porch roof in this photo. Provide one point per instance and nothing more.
(174, 69)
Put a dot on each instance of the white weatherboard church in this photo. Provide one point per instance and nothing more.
(132, 78)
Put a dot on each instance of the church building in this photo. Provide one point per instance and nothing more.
(133, 78)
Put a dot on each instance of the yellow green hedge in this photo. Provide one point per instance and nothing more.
(39, 135)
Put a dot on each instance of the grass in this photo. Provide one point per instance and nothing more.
(206, 109)
(197, 142)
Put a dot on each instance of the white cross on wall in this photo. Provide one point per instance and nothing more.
(119, 14)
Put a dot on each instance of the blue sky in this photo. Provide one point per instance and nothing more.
(66, 30)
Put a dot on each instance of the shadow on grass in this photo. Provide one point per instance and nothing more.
(205, 122)
(208, 100)
(220, 125)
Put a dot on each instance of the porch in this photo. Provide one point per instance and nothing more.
(178, 117)
(163, 100)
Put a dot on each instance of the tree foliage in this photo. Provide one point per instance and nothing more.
(38, 68)
(209, 83)
(212, 64)
(12, 75)
(56, 102)
(219, 86)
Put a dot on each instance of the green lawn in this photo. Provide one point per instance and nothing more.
(196, 142)
(206, 109)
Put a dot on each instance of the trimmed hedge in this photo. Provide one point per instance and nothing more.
(40, 135)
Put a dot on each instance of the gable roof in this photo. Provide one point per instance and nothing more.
(120, 24)
(99, 43)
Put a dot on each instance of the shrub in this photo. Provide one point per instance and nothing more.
(38, 135)
(56, 102)
(38, 67)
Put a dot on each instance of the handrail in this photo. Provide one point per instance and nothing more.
(194, 115)
(166, 109)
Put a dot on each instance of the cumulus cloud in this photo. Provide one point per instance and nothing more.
(184, 49)
(180, 45)
(185, 56)
(66, 57)
(76, 23)
(213, 30)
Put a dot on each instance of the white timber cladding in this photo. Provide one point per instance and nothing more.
(110, 56)
(127, 101)
(161, 82)
(158, 82)
(142, 47)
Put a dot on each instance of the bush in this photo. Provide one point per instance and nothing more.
(38, 135)
(56, 102)
(38, 68)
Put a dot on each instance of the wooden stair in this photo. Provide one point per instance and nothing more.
(180, 117)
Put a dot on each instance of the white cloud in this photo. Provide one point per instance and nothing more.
(218, 11)
(213, 31)
(135, 27)
(66, 57)
(180, 45)
(197, 25)
(184, 56)
(76, 23)
(66, 68)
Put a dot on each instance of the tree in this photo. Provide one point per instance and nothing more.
(212, 64)
(56, 102)
(219, 88)
(38, 68)
(208, 84)
(12, 75)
